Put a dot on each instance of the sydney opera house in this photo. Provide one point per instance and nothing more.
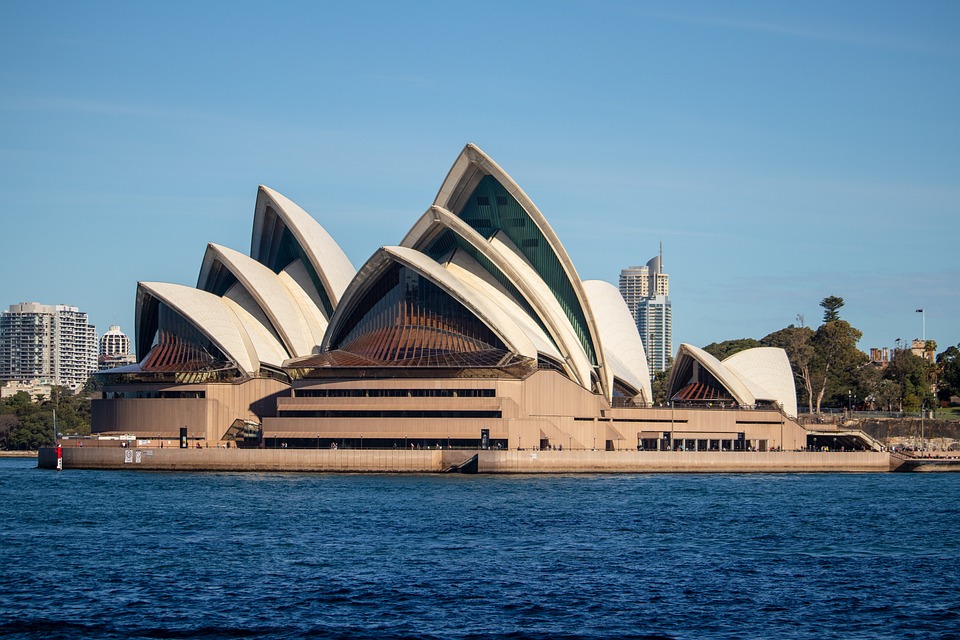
(474, 331)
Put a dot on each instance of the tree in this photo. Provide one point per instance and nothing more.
(725, 349)
(915, 376)
(831, 308)
(659, 384)
(798, 343)
(8, 424)
(835, 356)
(887, 395)
(948, 365)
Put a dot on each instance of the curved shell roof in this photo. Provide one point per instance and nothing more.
(498, 320)
(326, 257)
(767, 370)
(622, 346)
(506, 258)
(299, 331)
(210, 315)
(467, 172)
(762, 373)
(688, 354)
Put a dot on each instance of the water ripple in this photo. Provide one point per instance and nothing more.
(91, 554)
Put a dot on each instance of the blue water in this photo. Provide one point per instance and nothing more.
(88, 554)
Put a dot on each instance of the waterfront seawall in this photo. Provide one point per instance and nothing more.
(436, 461)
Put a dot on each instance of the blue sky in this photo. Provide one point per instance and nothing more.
(782, 152)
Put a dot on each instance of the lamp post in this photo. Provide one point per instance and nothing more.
(850, 402)
(448, 441)
(404, 441)
(361, 442)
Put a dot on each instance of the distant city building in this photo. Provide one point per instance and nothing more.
(646, 290)
(47, 345)
(10, 389)
(655, 325)
(880, 357)
(115, 349)
(634, 287)
(923, 349)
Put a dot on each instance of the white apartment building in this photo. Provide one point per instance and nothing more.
(115, 349)
(47, 344)
(646, 290)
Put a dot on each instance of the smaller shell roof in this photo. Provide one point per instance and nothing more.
(761, 373)
(300, 335)
(211, 316)
(687, 353)
(767, 370)
(326, 257)
(622, 347)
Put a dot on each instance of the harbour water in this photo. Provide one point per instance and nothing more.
(100, 554)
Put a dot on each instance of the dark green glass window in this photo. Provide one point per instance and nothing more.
(284, 249)
(508, 216)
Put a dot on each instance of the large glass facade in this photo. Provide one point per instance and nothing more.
(490, 209)
(698, 386)
(442, 247)
(219, 280)
(403, 317)
(176, 344)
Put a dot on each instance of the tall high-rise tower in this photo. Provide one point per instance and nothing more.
(47, 344)
(646, 291)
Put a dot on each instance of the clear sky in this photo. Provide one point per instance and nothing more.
(782, 152)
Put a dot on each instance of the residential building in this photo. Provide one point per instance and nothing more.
(115, 349)
(646, 290)
(47, 344)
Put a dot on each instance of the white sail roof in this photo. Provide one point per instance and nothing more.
(210, 315)
(767, 370)
(325, 255)
(298, 330)
(622, 346)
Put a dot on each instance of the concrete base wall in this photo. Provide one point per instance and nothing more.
(680, 462)
(434, 461)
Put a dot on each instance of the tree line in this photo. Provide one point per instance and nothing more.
(26, 424)
(830, 371)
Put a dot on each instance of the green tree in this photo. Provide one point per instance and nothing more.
(888, 394)
(831, 308)
(660, 381)
(948, 374)
(915, 376)
(835, 358)
(725, 349)
(8, 424)
(798, 343)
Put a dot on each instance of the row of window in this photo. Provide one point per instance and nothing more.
(395, 393)
(114, 395)
(322, 413)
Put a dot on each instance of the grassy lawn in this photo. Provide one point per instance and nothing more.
(950, 413)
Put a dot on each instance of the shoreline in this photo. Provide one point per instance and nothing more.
(19, 454)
